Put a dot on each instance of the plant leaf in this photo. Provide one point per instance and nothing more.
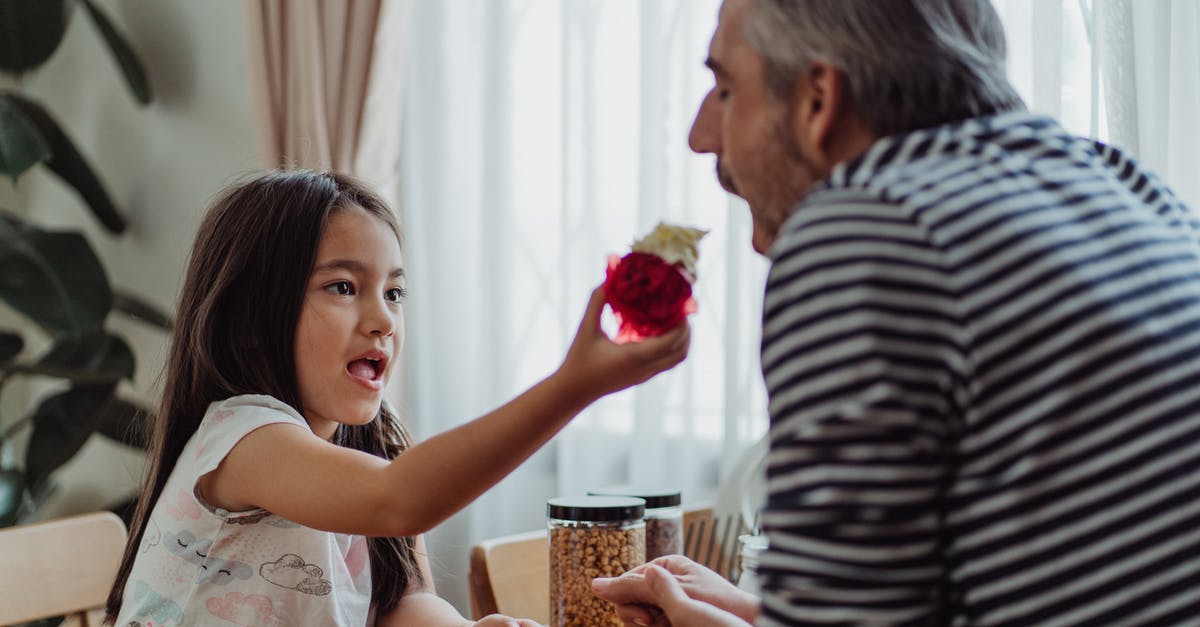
(139, 309)
(30, 31)
(78, 377)
(125, 422)
(61, 425)
(99, 352)
(10, 345)
(66, 162)
(54, 278)
(12, 487)
(21, 143)
(131, 67)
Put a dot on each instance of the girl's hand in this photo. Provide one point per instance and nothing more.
(598, 366)
(499, 620)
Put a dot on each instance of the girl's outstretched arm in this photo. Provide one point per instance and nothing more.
(290, 471)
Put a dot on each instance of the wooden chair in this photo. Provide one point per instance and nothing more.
(511, 575)
(60, 567)
(711, 538)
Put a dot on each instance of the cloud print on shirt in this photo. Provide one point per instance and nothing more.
(180, 505)
(243, 609)
(152, 605)
(292, 573)
(185, 545)
(152, 537)
(214, 569)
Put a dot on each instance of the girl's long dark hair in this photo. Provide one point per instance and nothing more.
(235, 334)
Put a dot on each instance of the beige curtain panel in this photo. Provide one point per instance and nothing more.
(310, 67)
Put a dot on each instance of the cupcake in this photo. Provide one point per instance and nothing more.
(650, 288)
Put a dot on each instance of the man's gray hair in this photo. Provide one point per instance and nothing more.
(910, 64)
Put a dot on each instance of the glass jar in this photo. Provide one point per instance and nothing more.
(752, 547)
(664, 516)
(591, 536)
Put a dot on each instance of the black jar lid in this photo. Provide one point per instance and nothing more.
(656, 496)
(596, 508)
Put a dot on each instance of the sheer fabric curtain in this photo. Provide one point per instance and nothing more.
(1125, 71)
(328, 82)
(543, 135)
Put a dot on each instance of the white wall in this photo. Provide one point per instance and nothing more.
(162, 164)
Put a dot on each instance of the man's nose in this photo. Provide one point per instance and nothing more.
(705, 136)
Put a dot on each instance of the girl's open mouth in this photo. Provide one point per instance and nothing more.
(367, 371)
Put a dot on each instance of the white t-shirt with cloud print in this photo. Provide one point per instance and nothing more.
(201, 565)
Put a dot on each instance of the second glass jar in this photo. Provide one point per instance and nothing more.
(664, 516)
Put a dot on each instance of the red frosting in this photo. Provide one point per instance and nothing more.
(648, 296)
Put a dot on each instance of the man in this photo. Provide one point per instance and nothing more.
(981, 338)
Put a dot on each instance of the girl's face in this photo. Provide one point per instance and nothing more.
(351, 325)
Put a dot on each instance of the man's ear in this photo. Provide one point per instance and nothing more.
(818, 106)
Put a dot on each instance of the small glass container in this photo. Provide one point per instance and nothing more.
(664, 516)
(751, 549)
(591, 536)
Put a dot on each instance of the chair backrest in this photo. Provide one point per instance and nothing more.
(711, 538)
(59, 567)
(511, 575)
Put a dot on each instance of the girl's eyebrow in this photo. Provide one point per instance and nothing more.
(353, 266)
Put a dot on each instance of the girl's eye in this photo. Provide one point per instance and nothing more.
(396, 294)
(341, 288)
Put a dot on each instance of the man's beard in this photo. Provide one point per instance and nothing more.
(725, 179)
(788, 175)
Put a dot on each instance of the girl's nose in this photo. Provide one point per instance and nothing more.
(378, 318)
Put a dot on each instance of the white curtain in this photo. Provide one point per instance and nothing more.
(310, 63)
(328, 80)
(543, 135)
(1124, 71)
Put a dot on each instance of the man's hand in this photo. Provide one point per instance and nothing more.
(661, 601)
(639, 604)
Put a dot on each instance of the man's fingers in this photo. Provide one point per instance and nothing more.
(673, 563)
(644, 615)
(630, 595)
(667, 592)
(628, 588)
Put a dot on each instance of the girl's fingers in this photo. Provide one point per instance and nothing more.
(669, 348)
(591, 317)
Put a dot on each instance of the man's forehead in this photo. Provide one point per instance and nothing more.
(728, 35)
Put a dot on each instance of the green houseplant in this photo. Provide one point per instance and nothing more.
(52, 278)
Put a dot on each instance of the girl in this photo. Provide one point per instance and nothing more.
(276, 493)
